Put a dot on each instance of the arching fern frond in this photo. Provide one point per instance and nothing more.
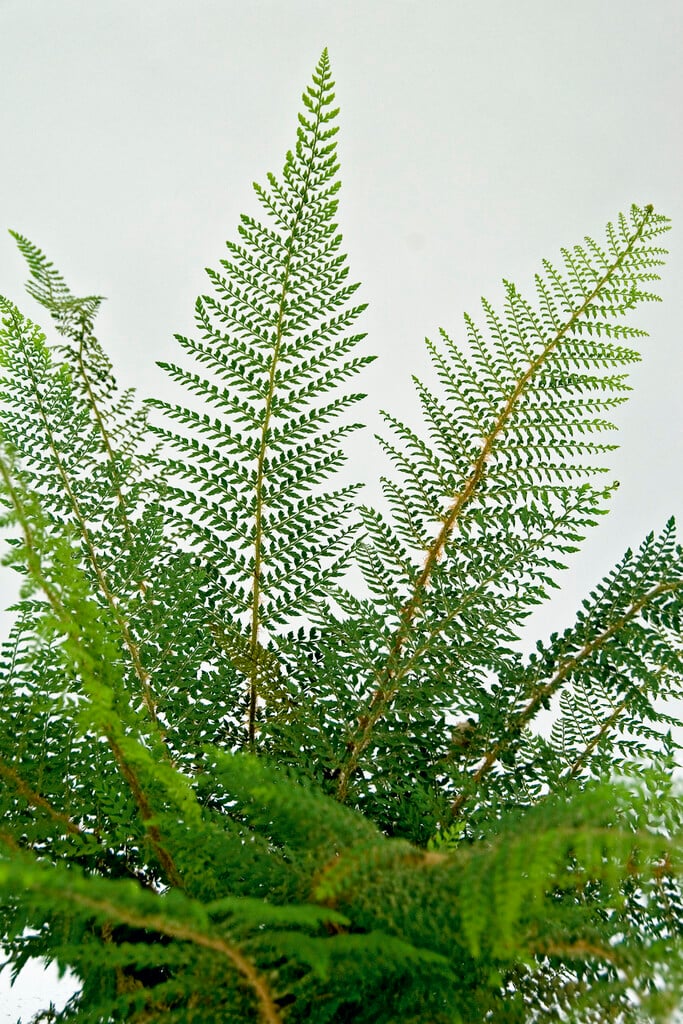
(612, 670)
(503, 490)
(69, 447)
(623, 658)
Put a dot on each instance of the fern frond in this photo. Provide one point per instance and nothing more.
(92, 372)
(622, 655)
(125, 904)
(269, 336)
(608, 705)
(70, 613)
(521, 408)
(60, 446)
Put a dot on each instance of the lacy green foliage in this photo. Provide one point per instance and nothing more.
(273, 335)
(211, 812)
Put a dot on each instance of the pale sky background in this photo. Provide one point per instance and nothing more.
(476, 138)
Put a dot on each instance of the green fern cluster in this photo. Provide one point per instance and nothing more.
(211, 812)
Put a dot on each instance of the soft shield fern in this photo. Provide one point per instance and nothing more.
(274, 336)
(233, 790)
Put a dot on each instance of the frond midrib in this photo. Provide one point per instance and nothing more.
(260, 468)
(390, 677)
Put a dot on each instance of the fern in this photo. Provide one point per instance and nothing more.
(234, 790)
(271, 340)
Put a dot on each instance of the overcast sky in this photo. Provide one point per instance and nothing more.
(476, 138)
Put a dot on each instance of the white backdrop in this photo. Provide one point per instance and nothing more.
(475, 139)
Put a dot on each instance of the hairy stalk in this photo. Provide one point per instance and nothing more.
(39, 803)
(542, 694)
(439, 626)
(392, 674)
(579, 950)
(36, 800)
(146, 813)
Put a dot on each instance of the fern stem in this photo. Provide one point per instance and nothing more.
(254, 643)
(258, 532)
(105, 436)
(543, 693)
(39, 803)
(146, 813)
(185, 933)
(34, 799)
(606, 725)
(389, 684)
(440, 625)
(579, 950)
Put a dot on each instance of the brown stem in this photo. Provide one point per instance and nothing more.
(578, 950)
(389, 684)
(185, 933)
(34, 798)
(146, 813)
(544, 692)
(606, 725)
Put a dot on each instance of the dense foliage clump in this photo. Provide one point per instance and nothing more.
(213, 813)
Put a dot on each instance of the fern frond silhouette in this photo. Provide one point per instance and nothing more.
(234, 790)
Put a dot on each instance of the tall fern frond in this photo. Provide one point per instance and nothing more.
(274, 337)
(503, 490)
